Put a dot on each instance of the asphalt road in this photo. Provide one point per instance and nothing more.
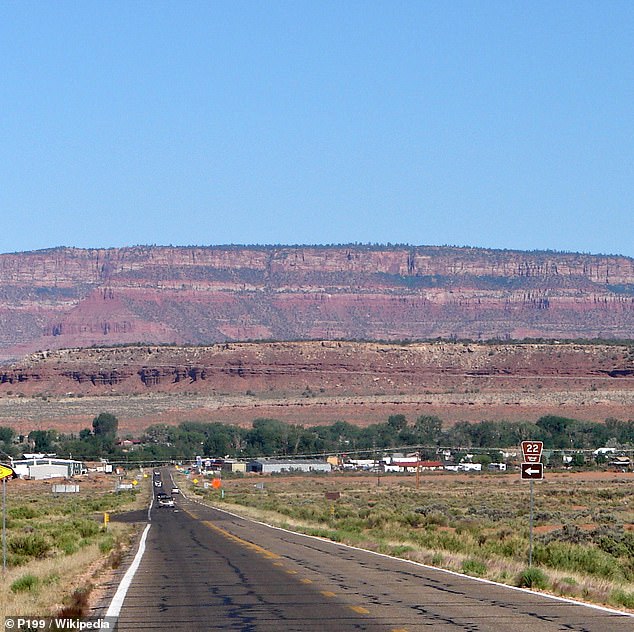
(204, 569)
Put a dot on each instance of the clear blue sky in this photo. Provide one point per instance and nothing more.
(499, 124)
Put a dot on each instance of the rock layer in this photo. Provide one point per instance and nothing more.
(69, 297)
(317, 382)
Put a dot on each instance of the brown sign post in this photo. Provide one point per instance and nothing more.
(532, 469)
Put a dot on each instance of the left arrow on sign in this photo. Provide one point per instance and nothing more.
(532, 471)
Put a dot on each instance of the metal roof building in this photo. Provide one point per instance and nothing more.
(47, 467)
(277, 466)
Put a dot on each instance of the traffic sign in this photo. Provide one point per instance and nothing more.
(6, 472)
(532, 451)
(532, 471)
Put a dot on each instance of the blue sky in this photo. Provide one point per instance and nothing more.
(498, 124)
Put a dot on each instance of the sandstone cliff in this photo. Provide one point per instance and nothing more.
(317, 382)
(68, 297)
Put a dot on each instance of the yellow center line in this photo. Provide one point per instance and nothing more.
(399, 630)
(249, 545)
(268, 554)
(359, 609)
(190, 513)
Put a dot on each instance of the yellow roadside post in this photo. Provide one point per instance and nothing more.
(5, 473)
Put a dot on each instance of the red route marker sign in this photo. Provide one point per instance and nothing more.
(532, 451)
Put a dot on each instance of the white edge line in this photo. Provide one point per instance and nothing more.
(117, 600)
(433, 568)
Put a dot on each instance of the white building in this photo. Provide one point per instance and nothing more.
(48, 467)
(276, 466)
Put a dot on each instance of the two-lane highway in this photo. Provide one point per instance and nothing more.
(205, 569)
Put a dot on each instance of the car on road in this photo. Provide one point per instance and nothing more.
(158, 483)
(165, 501)
(175, 490)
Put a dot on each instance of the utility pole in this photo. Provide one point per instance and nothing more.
(417, 469)
(376, 465)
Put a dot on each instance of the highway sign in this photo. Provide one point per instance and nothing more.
(6, 472)
(532, 471)
(532, 451)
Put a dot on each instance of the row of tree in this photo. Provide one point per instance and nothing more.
(268, 437)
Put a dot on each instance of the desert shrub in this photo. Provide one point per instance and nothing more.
(513, 547)
(442, 540)
(469, 528)
(413, 519)
(616, 543)
(494, 514)
(622, 598)
(116, 557)
(579, 559)
(350, 524)
(86, 528)
(77, 604)
(376, 520)
(67, 543)
(427, 510)
(568, 533)
(26, 583)
(474, 567)
(437, 519)
(29, 545)
(53, 578)
(24, 512)
(532, 578)
(605, 517)
(106, 545)
(566, 586)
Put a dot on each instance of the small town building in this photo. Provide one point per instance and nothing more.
(48, 467)
(278, 466)
(408, 465)
(232, 465)
(620, 463)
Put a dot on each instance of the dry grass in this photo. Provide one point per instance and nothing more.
(63, 581)
(56, 583)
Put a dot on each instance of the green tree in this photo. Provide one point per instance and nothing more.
(6, 441)
(397, 422)
(268, 437)
(428, 429)
(105, 424)
(556, 430)
(43, 440)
